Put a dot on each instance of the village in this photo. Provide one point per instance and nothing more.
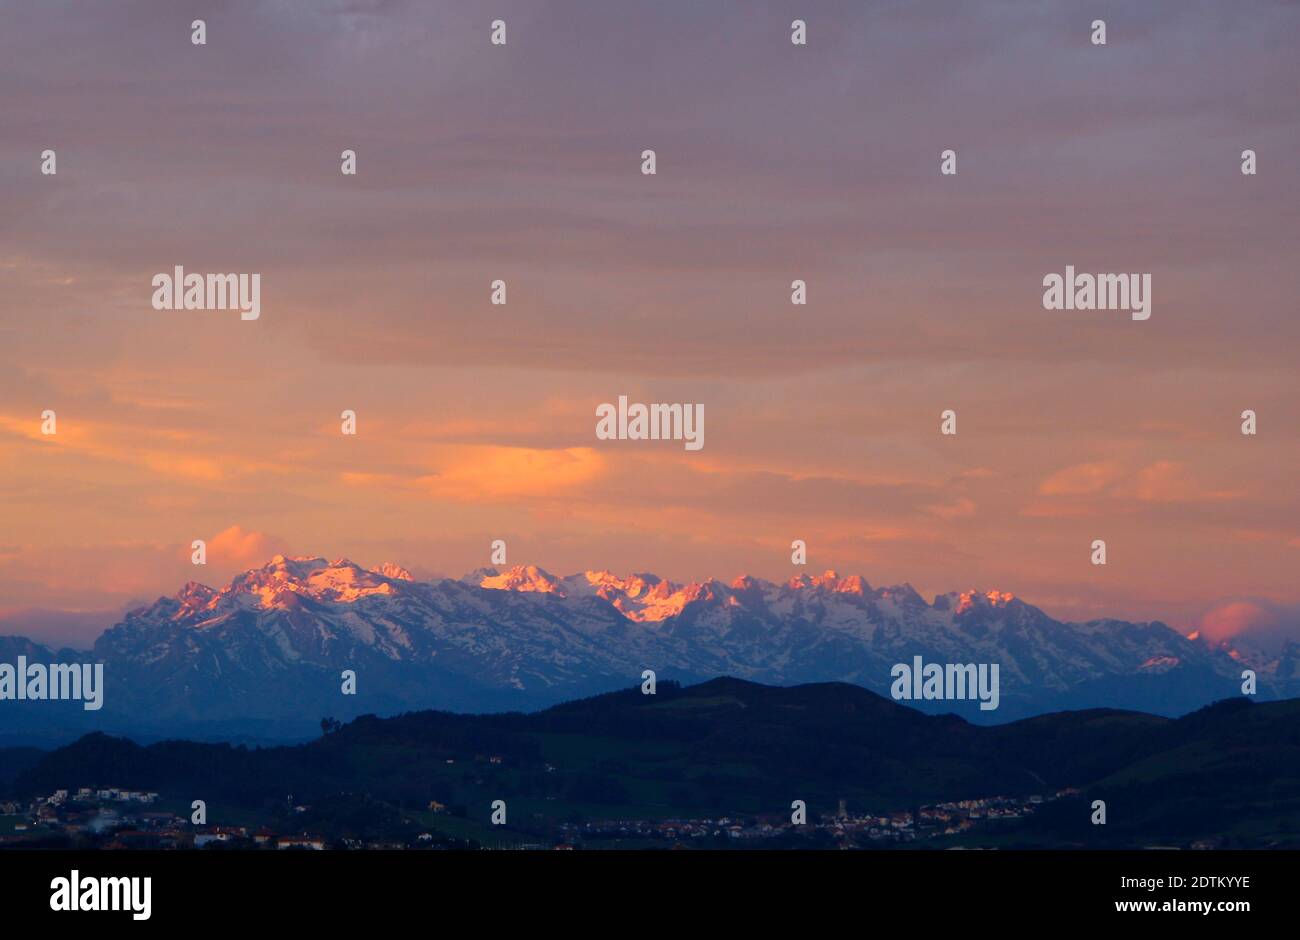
(842, 828)
(113, 818)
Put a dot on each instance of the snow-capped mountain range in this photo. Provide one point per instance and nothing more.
(266, 652)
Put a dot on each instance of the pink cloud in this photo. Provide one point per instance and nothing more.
(1082, 479)
(240, 548)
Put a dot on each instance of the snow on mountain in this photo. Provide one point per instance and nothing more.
(272, 644)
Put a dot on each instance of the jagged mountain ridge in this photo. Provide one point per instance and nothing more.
(270, 646)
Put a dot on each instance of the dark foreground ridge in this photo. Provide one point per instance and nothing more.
(718, 763)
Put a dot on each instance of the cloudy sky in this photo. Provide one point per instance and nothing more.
(775, 162)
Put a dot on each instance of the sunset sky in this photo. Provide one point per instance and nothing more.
(775, 162)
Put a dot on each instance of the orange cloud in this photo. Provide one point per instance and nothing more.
(955, 510)
(242, 549)
(1046, 509)
(490, 474)
(1167, 481)
(1082, 479)
(137, 446)
(1232, 619)
(69, 433)
(196, 468)
(483, 473)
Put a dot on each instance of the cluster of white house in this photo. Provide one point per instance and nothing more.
(115, 794)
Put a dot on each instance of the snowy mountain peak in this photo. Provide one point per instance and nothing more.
(190, 599)
(903, 594)
(633, 586)
(298, 567)
(969, 600)
(195, 595)
(828, 580)
(520, 637)
(523, 578)
(282, 582)
(393, 572)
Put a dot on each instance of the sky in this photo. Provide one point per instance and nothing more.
(775, 162)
